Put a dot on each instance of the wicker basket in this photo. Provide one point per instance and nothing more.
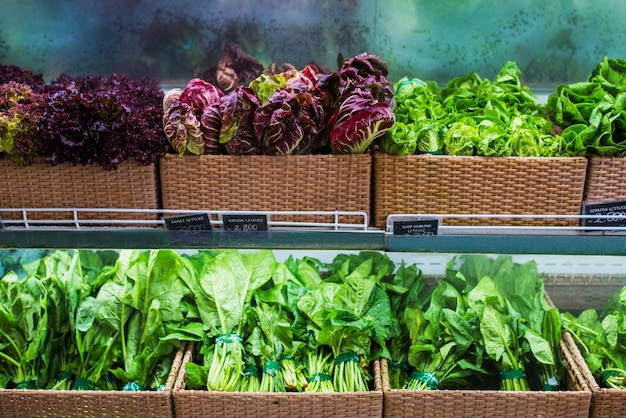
(22, 403)
(199, 403)
(572, 402)
(606, 178)
(605, 403)
(41, 185)
(444, 184)
(269, 183)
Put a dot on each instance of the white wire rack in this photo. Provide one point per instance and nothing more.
(83, 218)
(603, 224)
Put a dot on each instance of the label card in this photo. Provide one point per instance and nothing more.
(416, 227)
(614, 214)
(245, 223)
(188, 228)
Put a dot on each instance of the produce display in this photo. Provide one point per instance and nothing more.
(601, 337)
(113, 320)
(591, 113)
(85, 320)
(80, 120)
(472, 116)
(278, 111)
(485, 325)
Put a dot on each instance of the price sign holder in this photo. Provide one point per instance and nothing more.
(238, 225)
(415, 226)
(613, 213)
(188, 228)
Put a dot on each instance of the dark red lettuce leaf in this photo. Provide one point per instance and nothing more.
(199, 94)
(237, 135)
(103, 120)
(291, 123)
(10, 72)
(358, 122)
(236, 68)
(210, 125)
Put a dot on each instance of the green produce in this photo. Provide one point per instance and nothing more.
(601, 338)
(473, 116)
(486, 319)
(590, 113)
(93, 320)
(224, 289)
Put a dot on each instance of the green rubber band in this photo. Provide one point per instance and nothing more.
(345, 357)
(110, 377)
(551, 385)
(427, 377)
(271, 367)
(133, 387)
(27, 384)
(65, 375)
(399, 365)
(512, 374)
(319, 377)
(606, 375)
(82, 384)
(251, 371)
(435, 152)
(284, 357)
(228, 338)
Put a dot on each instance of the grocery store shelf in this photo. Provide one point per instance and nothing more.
(564, 244)
(78, 231)
(552, 244)
(161, 238)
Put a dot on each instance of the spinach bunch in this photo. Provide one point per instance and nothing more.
(601, 338)
(94, 320)
(520, 330)
(486, 318)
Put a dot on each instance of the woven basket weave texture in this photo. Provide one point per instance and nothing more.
(41, 185)
(443, 184)
(21, 403)
(268, 183)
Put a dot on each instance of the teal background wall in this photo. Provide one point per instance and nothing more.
(552, 42)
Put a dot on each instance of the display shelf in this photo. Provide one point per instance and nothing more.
(313, 239)
(511, 244)
(79, 232)
(161, 238)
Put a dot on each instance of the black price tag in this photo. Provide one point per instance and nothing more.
(416, 227)
(188, 228)
(613, 214)
(245, 223)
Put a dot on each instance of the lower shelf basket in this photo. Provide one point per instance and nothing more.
(574, 401)
(605, 403)
(200, 403)
(26, 403)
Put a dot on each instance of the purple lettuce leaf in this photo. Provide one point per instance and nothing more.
(237, 135)
(291, 123)
(358, 122)
(236, 68)
(199, 94)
